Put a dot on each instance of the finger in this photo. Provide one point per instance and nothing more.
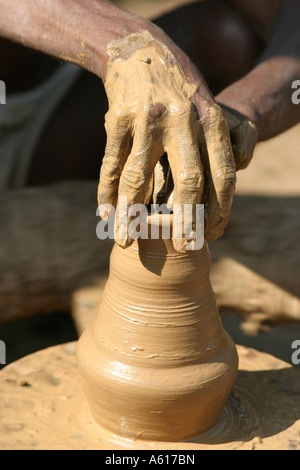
(118, 146)
(222, 172)
(243, 136)
(136, 179)
(182, 148)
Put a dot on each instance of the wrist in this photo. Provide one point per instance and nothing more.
(121, 24)
(109, 23)
(236, 100)
(264, 96)
(114, 24)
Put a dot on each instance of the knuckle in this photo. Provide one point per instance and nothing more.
(116, 116)
(110, 168)
(157, 110)
(190, 180)
(181, 109)
(133, 180)
(214, 119)
(224, 179)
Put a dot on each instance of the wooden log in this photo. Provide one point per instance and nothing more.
(256, 264)
(48, 247)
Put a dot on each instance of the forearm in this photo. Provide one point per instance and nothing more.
(80, 32)
(264, 95)
(71, 30)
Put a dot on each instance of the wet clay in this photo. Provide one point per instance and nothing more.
(43, 407)
(156, 362)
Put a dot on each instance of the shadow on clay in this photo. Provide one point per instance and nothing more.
(152, 262)
(261, 404)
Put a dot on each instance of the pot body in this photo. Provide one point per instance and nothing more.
(156, 362)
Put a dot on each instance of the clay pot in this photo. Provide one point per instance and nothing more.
(156, 362)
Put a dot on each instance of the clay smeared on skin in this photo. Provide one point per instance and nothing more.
(152, 112)
(150, 98)
(221, 172)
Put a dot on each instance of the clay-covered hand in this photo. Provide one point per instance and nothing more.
(243, 135)
(155, 109)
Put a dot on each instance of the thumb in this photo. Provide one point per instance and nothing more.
(243, 136)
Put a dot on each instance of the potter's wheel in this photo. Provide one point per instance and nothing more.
(43, 407)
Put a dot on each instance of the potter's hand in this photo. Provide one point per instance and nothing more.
(243, 136)
(154, 108)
